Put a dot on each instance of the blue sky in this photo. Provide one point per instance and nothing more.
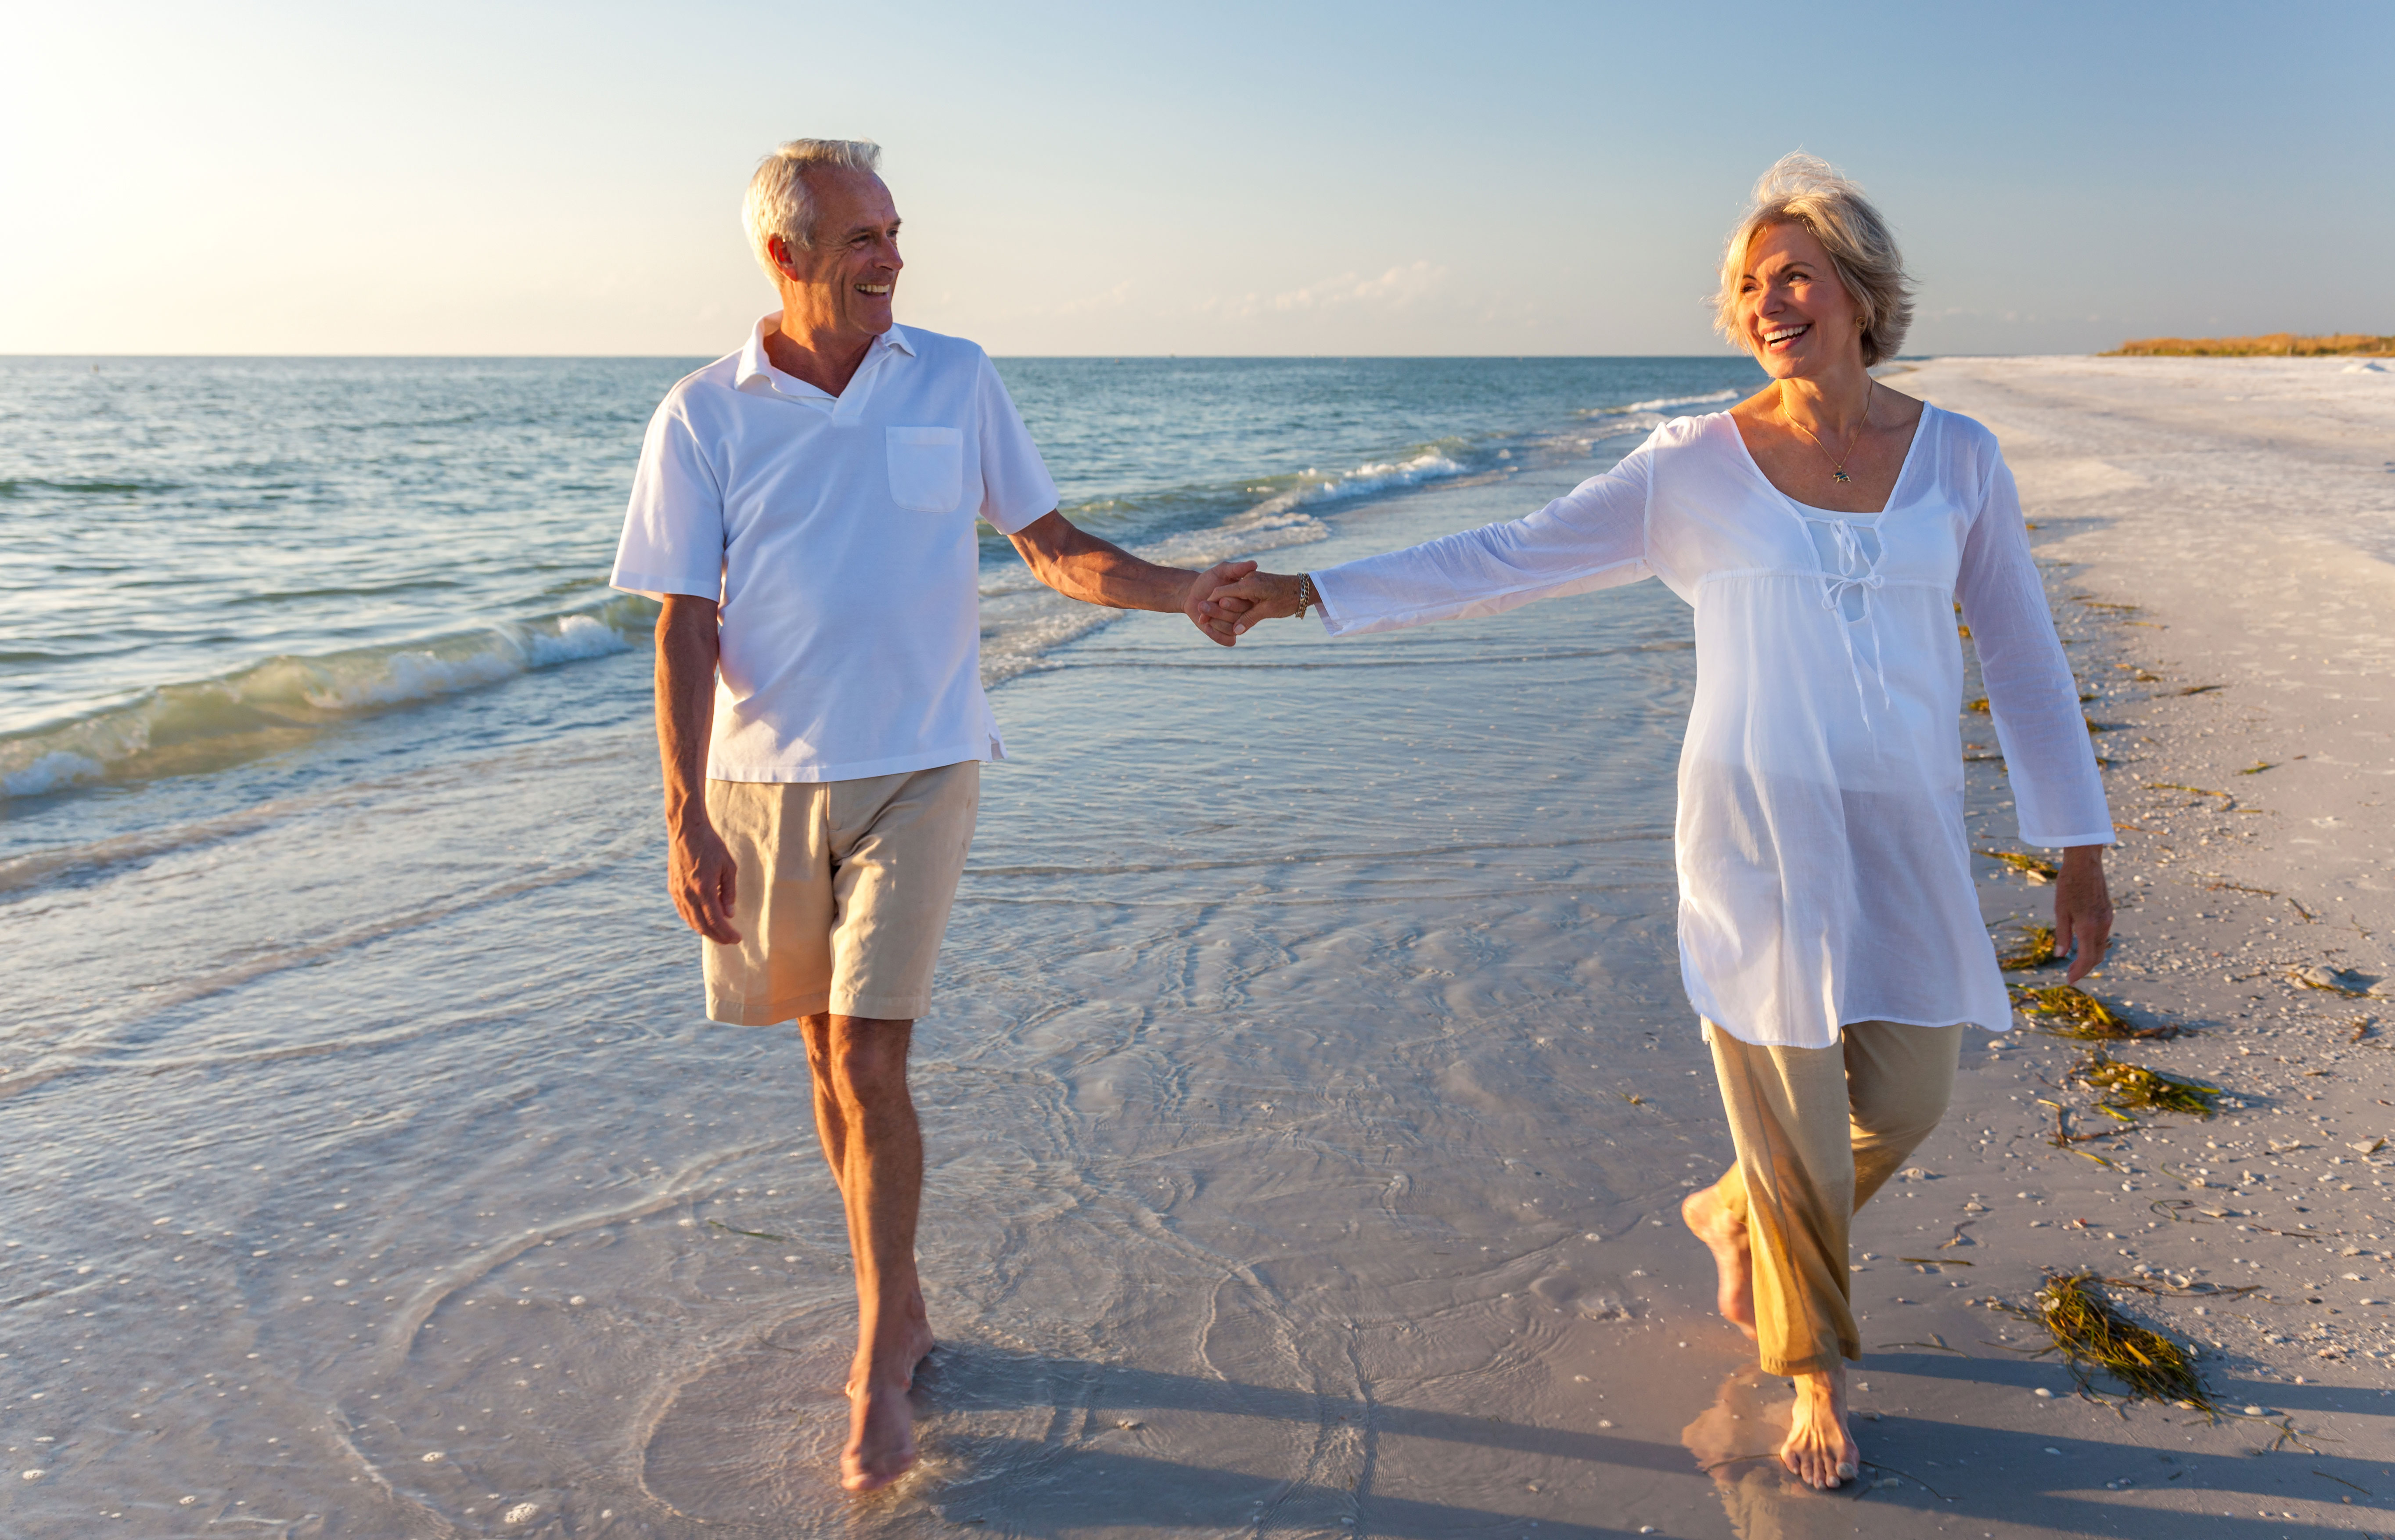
(1222, 178)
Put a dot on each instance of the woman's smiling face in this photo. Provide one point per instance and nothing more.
(1794, 314)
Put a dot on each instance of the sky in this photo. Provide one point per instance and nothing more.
(1227, 178)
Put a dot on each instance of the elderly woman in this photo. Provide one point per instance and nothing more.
(1824, 531)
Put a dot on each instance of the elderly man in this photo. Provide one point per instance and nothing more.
(805, 509)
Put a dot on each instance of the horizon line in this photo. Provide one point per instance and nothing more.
(1140, 357)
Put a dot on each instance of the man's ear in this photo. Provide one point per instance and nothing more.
(777, 249)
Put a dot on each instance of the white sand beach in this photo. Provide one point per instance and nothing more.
(1364, 1094)
(1309, 1096)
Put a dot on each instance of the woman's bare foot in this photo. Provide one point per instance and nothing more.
(1712, 1222)
(1819, 1451)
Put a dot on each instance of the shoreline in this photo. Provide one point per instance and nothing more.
(1309, 1093)
(2243, 708)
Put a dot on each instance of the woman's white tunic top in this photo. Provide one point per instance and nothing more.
(1824, 872)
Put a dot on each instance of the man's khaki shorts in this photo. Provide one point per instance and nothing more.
(842, 893)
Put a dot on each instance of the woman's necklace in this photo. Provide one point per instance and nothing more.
(1837, 462)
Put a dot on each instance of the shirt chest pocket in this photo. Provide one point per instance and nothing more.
(927, 468)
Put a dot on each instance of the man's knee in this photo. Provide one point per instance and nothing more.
(861, 1061)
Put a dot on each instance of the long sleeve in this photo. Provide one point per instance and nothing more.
(1593, 536)
(2058, 794)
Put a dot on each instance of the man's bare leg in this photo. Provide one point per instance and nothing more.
(831, 1126)
(875, 1149)
(1724, 1235)
(1820, 1449)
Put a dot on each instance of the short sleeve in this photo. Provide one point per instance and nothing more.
(673, 529)
(1015, 488)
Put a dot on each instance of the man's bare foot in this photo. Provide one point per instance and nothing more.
(1819, 1451)
(920, 1341)
(1733, 1261)
(880, 1419)
(881, 1433)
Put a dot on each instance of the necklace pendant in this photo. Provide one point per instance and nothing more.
(1839, 475)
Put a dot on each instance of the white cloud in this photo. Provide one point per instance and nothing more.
(1112, 298)
(1396, 288)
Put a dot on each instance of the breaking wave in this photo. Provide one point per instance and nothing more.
(205, 723)
(1661, 407)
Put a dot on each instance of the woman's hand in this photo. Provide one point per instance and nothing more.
(1195, 600)
(1257, 596)
(2083, 911)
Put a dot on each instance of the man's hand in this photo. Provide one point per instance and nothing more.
(704, 881)
(699, 871)
(1195, 601)
(2083, 911)
(1237, 605)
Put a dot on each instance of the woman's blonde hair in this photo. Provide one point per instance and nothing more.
(1806, 190)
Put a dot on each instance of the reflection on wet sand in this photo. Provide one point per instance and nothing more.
(1737, 1441)
(1034, 1444)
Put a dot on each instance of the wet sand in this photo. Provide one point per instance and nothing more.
(1310, 1096)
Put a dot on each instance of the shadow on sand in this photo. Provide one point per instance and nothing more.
(1033, 1444)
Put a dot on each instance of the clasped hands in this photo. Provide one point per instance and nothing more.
(1225, 600)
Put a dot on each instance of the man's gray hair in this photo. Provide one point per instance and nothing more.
(778, 201)
(1804, 190)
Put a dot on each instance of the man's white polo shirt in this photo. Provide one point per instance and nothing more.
(838, 535)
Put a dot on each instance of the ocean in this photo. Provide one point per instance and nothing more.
(1309, 1058)
(218, 560)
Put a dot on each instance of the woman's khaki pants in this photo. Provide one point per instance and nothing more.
(1817, 1131)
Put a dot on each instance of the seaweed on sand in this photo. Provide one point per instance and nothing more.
(2132, 1087)
(2071, 1013)
(2036, 950)
(2091, 1334)
(2030, 866)
(2335, 981)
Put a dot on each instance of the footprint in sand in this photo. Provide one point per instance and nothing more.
(1604, 1299)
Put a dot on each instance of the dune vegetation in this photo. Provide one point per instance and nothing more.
(2274, 345)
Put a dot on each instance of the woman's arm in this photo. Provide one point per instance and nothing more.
(1593, 537)
(2035, 699)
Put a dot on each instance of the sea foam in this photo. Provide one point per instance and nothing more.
(203, 724)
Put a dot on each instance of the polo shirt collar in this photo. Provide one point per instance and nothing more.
(757, 369)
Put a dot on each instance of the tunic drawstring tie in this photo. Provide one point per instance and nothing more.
(1858, 574)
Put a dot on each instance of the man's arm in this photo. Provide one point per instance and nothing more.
(1079, 565)
(699, 872)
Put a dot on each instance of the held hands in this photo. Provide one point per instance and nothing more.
(1239, 602)
(1195, 603)
(2083, 911)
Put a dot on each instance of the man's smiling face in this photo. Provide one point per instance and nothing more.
(840, 287)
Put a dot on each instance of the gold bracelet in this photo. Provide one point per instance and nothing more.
(1307, 598)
